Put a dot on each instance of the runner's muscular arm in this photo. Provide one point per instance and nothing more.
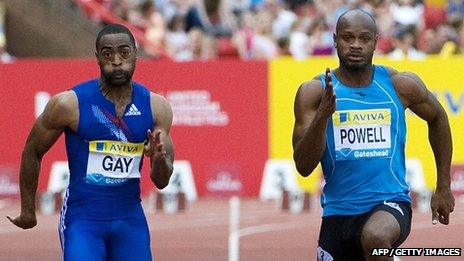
(58, 114)
(424, 104)
(160, 148)
(312, 108)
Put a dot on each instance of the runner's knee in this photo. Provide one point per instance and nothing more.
(374, 237)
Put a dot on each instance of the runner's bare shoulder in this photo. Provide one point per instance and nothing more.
(62, 110)
(310, 92)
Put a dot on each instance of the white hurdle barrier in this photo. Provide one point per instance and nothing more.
(234, 220)
(180, 190)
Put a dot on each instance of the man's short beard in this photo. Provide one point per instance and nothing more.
(354, 67)
(108, 77)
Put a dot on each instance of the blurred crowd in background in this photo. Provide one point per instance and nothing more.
(5, 57)
(264, 29)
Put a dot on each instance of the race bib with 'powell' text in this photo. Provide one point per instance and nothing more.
(362, 134)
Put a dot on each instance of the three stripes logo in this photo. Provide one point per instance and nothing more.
(133, 111)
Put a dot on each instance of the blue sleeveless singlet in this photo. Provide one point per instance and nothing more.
(364, 160)
(105, 156)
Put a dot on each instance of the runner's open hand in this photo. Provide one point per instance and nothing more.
(154, 148)
(327, 105)
(24, 221)
(442, 205)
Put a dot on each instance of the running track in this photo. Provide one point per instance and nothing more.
(201, 233)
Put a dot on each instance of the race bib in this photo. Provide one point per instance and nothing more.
(362, 134)
(113, 162)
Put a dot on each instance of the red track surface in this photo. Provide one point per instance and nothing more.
(201, 233)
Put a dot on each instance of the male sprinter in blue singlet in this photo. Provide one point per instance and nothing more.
(352, 121)
(109, 124)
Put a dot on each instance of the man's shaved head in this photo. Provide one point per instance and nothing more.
(356, 16)
(355, 39)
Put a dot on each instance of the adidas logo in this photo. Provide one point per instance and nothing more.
(133, 111)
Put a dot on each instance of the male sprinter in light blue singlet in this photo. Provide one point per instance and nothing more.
(109, 124)
(352, 120)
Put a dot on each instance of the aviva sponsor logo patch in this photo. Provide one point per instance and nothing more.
(362, 133)
(379, 116)
(116, 147)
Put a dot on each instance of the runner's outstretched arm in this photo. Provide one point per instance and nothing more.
(46, 130)
(313, 106)
(159, 147)
(423, 103)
